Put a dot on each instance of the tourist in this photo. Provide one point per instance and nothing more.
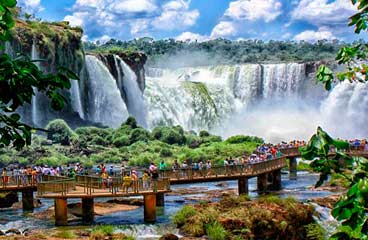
(16, 176)
(175, 168)
(122, 169)
(162, 168)
(135, 181)
(153, 171)
(127, 182)
(200, 167)
(104, 177)
(184, 169)
(208, 167)
(145, 177)
(111, 171)
(4, 176)
(34, 176)
(23, 176)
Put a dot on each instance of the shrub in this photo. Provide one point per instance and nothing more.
(139, 134)
(165, 152)
(144, 159)
(211, 139)
(243, 139)
(183, 214)
(121, 141)
(315, 232)
(170, 135)
(215, 231)
(131, 122)
(65, 234)
(204, 133)
(193, 141)
(59, 132)
(97, 140)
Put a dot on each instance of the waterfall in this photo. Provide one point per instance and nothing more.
(283, 80)
(75, 95)
(107, 106)
(134, 96)
(35, 110)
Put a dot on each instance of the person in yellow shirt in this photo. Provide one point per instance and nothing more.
(145, 177)
(104, 177)
(127, 182)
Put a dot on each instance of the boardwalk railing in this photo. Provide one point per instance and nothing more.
(231, 170)
(62, 186)
(89, 185)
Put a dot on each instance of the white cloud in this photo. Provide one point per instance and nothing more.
(191, 37)
(313, 36)
(135, 18)
(253, 10)
(30, 6)
(176, 15)
(223, 29)
(323, 12)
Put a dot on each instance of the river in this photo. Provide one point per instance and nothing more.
(131, 222)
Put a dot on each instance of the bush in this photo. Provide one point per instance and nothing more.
(65, 234)
(165, 152)
(121, 141)
(243, 139)
(215, 231)
(144, 159)
(183, 214)
(139, 134)
(204, 134)
(131, 122)
(52, 161)
(211, 139)
(170, 135)
(97, 140)
(59, 132)
(193, 141)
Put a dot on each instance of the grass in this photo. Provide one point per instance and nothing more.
(215, 231)
(315, 232)
(183, 214)
(65, 234)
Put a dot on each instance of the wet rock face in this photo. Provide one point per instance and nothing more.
(136, 62)
(8, 199)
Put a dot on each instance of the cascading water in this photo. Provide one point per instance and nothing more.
(106, 105)
(75, 95)
(35, 111)
(129, 85)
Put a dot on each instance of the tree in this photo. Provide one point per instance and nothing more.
(18, 79)
(352, 208)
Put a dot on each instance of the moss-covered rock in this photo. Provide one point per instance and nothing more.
(266, 218)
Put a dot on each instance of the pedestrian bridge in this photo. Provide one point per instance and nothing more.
(89, 187)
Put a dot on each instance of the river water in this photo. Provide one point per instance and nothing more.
(131, 222)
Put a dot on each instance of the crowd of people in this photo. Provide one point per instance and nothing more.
(31, 175)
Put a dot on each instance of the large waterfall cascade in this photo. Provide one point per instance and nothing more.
(107, 106)
(129, 85)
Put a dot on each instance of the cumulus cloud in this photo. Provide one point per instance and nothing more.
(131, 18)
(323, 12)
(313, 36)
(175, 15)
(223, 29)
(30, 6)
(252, 10)
(191, 37)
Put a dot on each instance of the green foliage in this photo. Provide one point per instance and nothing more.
(18, 79)
(59, 132)
(183, 214)
(121, 141)
(243, 139)
(204, 133)
(65, 234)
(131, 122)
(351, 209)
(215, 231)
(222, 51)
(139, 134)
(315, 232)
(170, 135)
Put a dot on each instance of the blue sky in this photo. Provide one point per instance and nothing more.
(307, 20)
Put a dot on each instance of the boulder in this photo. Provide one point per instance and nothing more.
(13, 231)
(8, 199)
(169, 236)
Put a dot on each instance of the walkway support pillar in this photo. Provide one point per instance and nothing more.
(61, 212)
(276, 180)
(88, 210)
(150, 208)
(27, 199)
(243, 186)
(293, 168)
(160, 199)
(262, 183)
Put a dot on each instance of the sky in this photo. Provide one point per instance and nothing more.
(201, 20)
